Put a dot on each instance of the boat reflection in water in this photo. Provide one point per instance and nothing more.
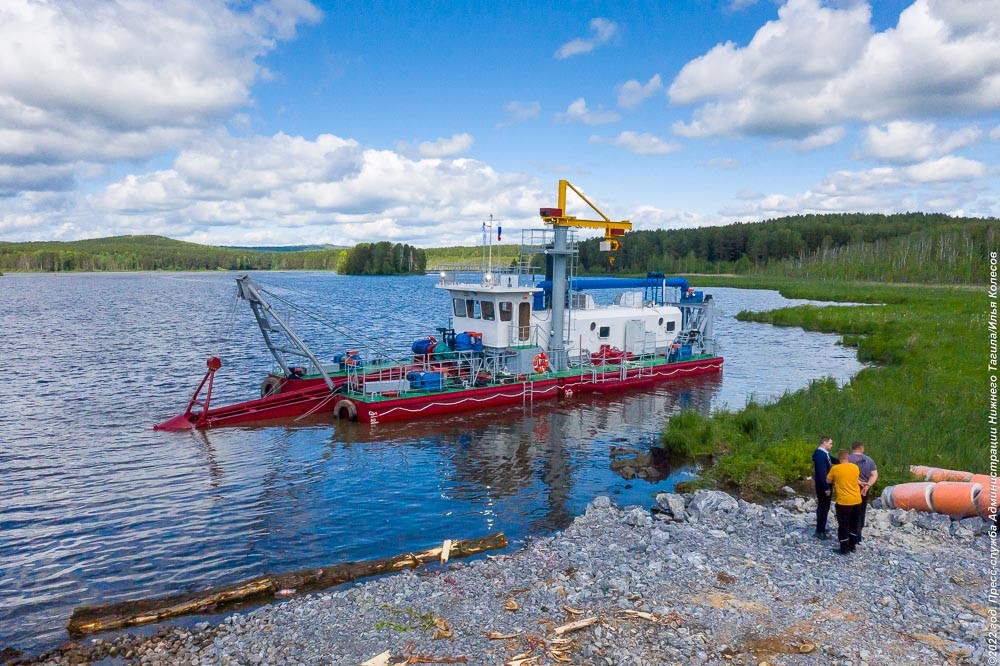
(523, 470)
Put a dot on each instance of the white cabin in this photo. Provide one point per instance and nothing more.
(502, 311)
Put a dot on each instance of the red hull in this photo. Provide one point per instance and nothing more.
(310, 397)
(434, 404)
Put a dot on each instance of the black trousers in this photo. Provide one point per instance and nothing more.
(822, 511)
(864, 512)
(848, 519)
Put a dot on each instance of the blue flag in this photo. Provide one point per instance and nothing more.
(499, 229)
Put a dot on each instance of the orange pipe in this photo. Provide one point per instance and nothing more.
(956, 498)
(920, 471)
(986, 504)
(936, 475)
(984, 480)
(911, 496)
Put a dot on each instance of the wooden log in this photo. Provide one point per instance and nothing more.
(93, 619)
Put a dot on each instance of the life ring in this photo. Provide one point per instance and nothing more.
(541, 362)
(345, 410)
(270, 386)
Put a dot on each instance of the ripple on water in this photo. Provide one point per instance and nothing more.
(98, 508)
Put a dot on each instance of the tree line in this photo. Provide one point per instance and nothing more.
(383, 258)
(152, 253)
(904, 247)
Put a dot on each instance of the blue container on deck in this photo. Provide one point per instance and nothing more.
(469, 341)
(684, 352)
(423, 346)
(425, 381)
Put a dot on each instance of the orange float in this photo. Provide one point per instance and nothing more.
(920, 471)
(935, 474)
(915, 495)
(956, 498)
(986, 504)
(984, 480)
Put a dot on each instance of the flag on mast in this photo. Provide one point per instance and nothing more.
(484, 233)
(499, 229)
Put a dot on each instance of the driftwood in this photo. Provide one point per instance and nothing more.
(92, 619)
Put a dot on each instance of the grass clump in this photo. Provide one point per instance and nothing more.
(923, 402)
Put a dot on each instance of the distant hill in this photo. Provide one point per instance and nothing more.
(908, 247)
(286, 248)
(151, 253)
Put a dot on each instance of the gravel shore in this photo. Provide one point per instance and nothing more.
(702, 579)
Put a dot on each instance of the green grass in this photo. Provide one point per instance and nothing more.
(923, 402)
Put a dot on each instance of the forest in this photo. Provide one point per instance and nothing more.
(907, 247)
(153, 253)
(383, 258)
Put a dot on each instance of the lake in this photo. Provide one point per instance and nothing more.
(97, 507)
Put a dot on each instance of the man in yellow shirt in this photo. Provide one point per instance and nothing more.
(847, 494)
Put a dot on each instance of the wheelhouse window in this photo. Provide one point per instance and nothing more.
(506, 311)
(671, 325)
(489, 313)
(604, 332)
(459, 306)
(472, 308)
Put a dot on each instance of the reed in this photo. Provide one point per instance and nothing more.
(922, 401)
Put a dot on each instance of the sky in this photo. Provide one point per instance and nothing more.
(285, 122)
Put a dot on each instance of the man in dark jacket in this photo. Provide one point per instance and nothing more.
(868, 477)
(821, 467)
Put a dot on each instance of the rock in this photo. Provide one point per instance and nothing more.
(788, 490)
(712, 506)
(934, 522)
(899, 517)
(672, 504)
(977, 526)
(601, 502)
(638, 517)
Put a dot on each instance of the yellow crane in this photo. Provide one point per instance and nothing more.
(613, 230)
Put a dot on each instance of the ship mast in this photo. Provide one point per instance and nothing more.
(560, 251)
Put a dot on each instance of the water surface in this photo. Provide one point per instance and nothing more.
(96, 507)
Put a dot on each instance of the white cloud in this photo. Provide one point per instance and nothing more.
(640, 144)
(285, 189)
(632, 93)
(577, 112)
(821, 139)
(995, 133)
(85, 83)
(903, 142)
(443, 147)
(943, 185)
(817, 67)
(603, 31)
(945, 170)
(519, 112)
(651, 217)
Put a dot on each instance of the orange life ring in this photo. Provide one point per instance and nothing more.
(541, 362)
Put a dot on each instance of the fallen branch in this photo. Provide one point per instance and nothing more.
(92, 619)
(575, 626)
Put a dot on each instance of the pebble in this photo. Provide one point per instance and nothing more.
(719, 581)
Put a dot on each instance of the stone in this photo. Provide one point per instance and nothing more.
(638, 517)
(933, 522)
(672, 504)
(788, 490)
(899, 517)
(712, 505)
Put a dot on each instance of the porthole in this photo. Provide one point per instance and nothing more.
(593, 325)
(661, 322)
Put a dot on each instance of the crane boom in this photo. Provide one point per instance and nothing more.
(557, 218)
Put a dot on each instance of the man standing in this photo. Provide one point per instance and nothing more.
(867, 479)
(847, 490)
(821, 467)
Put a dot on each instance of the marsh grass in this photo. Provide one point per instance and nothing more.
(923, 401)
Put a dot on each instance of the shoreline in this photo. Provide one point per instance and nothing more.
(729, 582)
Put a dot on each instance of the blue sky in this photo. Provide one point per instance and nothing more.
(286, 122)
